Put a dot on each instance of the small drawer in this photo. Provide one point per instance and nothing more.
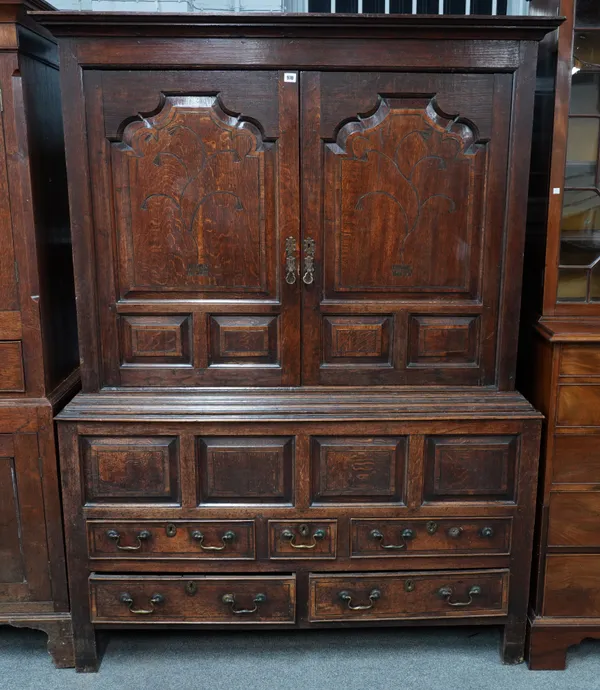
(573, 519)
(382, 596)
(397, 538)
(192, 599)
(571, 586)
(580, 360)
(576, 459)
(207, 539)
(302, 539)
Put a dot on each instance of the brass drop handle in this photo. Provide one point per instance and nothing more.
(290, 261)
(142, 536)
(346, 597)
(290, 537)
(406, 534)
(455, 532)
(227, 538)
(308, 272)
(447, 592)
(486, 532)
(229, 600)
(155, 600)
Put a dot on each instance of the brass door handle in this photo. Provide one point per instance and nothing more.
(447, 592)
(346, 597)
(290, 537)
(142, 536)
(155, 600)
(308, 272)
(227, 538)
(290, 261)
(229, 600)
(406, 534)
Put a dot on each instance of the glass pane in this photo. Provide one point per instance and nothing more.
(319, 6)
(427, 6)
(581, 213)
(595, 283)
(481, 6)
(400, 6)
(585, 93)
(588, 13)
(372, 6)
(587, 48)
(346, 6)
(582, 152)
(572, 285)
(454, 6)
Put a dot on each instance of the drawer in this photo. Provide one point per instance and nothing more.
(380, 596)
(578, 405)
(573, 519)
(580, 360)
(206, 539)
(576, 459)
(394, 538)
(571, 586)
(192, 599)
(302, 539)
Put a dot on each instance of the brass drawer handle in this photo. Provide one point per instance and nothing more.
(144, 535)
(447, 592)
(227, 538)
(308, 275)
(486, 532)
(406, 534)
(229, 600)
(155, 600)
(455, 532)
(290, 537)
(346, 597)
(290, 261)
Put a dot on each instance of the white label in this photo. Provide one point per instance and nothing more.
(289, 76)
(556, 190)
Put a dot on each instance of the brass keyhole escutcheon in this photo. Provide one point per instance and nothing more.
(304, 530)
(171, 529)
(409, 585)
(191, 588)
(431, 527)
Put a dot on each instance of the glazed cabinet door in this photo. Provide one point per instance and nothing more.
(196, 203)
(403, 217)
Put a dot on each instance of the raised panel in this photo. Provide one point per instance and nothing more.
(245, 470)
(11, 556)
(443, 340)
(131, 470)
(11, 327)
(357, 340)
(244, 340)
(476, 468)
(353, 470)
(156, 339)
(12, 377)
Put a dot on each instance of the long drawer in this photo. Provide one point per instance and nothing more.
(193, 599)
(406, 595)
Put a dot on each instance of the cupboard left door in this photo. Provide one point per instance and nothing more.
(194, 230)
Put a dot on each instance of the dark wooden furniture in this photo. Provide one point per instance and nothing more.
(566, 350)
(297, 245)
(38, 341)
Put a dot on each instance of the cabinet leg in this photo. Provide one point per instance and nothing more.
(513, 643)
(86, 650)
(547, 649)
(59, 629)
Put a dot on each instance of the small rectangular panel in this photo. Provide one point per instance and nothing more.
(12, 376)
(193, 599)
(11, 327)
(377, 538)
(156, 339)
(144, 539)
(385, 596)
(11, 555)
(443, 340)
(131, 470)
(571, 586)
(354, 470)
(246, 470)
(244, 340)
(578, 405)
(357, 340)
(580, 360)
(470, 468)
(302, 539)
(576, 459)
(573, 519)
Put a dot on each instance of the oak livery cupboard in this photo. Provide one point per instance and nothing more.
(298, 244)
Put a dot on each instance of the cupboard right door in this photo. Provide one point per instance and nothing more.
(403, 221)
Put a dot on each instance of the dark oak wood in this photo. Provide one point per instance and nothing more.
(38, 343)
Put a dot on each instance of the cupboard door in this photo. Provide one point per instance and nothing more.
(404, 181)
(195, 188)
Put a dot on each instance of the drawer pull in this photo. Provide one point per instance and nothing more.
(290, 537)
(406, 534)
(455, 532)
(346, 597)
(144, 535)
(227, 538)
(155, 600)
(229, 600)
(447, 592)
(487, 532)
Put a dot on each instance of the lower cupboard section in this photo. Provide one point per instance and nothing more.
(206, 599)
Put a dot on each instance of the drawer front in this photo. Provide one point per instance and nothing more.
(574, 519)
(193, 599)
(580, 360)
(382, 596)
(571, 586)
(394, 538)
(301, 539)
(578, 405)
(576, 459)
(207, 539)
